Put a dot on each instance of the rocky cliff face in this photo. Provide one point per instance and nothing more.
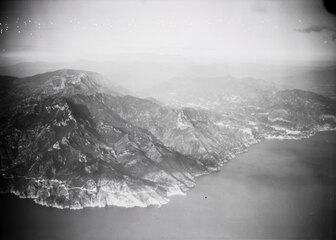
(69, 140)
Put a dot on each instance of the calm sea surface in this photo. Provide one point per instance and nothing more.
(279, 189)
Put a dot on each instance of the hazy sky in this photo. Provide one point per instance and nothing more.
(228, 30)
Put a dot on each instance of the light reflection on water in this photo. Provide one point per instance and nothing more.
(279, 189)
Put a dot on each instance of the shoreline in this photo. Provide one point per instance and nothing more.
(155, 202)
(279, 189)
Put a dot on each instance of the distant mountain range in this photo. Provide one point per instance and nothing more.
(137, 73)
(71, 139)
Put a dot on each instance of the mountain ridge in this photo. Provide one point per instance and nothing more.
(92, 147)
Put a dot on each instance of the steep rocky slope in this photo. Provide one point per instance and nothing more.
(67, 149)
(69, 140)
(228, 115)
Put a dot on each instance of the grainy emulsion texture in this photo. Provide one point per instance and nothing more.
(152, 119)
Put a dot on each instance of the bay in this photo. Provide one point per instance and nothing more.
(280, 189)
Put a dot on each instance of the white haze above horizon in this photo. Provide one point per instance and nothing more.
(267, 31)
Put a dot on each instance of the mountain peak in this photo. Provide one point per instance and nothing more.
(65, 82)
